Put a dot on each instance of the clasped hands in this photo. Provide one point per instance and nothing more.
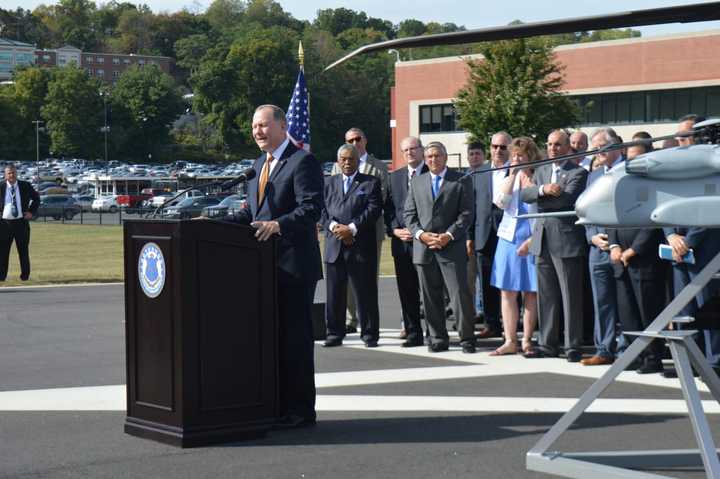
(552, 189)
(435, 240)
(344, 234)
(618, 255)
(679, 247)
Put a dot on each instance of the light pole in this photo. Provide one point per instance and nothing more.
(37, 146)
(104, 95)
(397, 54)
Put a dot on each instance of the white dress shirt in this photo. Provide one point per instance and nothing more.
(352, 226)
(7, 211)
(276, 154)
(440, 183)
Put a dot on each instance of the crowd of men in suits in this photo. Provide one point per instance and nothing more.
(448, 230)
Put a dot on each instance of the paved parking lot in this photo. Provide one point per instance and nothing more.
(385, 412)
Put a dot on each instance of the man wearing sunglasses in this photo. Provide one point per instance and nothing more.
(369, 165)
(19, 202)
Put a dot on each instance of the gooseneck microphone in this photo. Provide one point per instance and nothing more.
(246, 175)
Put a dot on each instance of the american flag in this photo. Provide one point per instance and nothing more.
(298, 114)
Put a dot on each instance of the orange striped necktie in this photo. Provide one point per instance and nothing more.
(264, 175)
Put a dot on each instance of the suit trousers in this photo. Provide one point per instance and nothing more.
(18, 231)
(639, 302)
(602, 280)
(362, 278)
(433, 276)
(490, 294)
(408, 285)
(296, 355)
(708, 340)
(352, 308)
(559, 300)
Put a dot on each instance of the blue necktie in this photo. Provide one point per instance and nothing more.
(346, 185)
(14, 209)
(436, 186)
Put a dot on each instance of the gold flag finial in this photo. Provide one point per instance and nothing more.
(301, 55)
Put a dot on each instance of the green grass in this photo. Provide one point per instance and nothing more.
(71, 254)
(61, 253)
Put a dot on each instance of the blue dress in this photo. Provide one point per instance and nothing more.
(511, 272)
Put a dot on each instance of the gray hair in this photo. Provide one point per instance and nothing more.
(348, 147)
(507, 135)
(278, 113)
(438, 146)
(11, 166)
(610, 135)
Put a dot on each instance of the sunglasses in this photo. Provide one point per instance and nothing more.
(499, 147)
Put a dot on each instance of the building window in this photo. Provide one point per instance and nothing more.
(89, 59)
(116, 73)
(126, 61)
(141, 62)
(438, 118)
(654, 106)
(116, 61)
(100, 72)
(89, 71)
(101, 59)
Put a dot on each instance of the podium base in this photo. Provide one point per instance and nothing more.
(195, 437)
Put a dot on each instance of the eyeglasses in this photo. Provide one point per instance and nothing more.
(357, 139)
(499, 147)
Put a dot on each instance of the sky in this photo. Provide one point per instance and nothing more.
(471, 14)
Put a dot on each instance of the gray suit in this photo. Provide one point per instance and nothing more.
(560, 248)
(450, 212)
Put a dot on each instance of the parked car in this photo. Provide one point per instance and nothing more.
(84, 201)
(225, 207)
(189, 207)
(57, 207)
(105, 203)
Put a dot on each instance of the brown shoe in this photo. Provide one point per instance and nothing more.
(488, 333)
(597, 361)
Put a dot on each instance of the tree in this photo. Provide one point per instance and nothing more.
(73, 112)
(516, 88)
(31, 88)
(145, 102)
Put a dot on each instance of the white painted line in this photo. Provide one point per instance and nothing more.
(503, 404)
(99, 398)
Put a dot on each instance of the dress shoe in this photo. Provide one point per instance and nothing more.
(597, 360)
(488, 333)
(534, 353)
(671, 373)
(412, 342)
(332, 341)
(371, 343)
(650, 367)
(633, 366)
(437, 347)
(349, 329)
(24, 278)
(468, 348)
(403, 334)
(292, 421)
(574, 356)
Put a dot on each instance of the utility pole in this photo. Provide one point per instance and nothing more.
(37, 146)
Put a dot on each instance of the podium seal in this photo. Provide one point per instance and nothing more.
(151, 270)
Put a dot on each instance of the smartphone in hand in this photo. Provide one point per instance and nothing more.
(665, 252)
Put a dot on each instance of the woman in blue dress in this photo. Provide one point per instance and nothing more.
(513, 269)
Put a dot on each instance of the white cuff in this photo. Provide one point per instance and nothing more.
(353, 228)
(417, 235)
(332, 226)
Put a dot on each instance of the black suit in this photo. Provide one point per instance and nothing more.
(640, 286)
(17, 230)
(293, 198)
(361, 206)
(406, 275)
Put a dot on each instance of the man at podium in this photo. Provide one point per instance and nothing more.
(285, 199)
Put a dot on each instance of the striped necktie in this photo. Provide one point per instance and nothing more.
(264, 175)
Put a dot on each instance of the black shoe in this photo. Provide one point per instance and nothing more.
(294, 422)
(650, 367)
(411, 343)
(371, 343)
(332, 341)
(468, 348)
(634, 366)
(24, 278)
(671, 373)
(349, 329)
(574, 356)
(437, 347)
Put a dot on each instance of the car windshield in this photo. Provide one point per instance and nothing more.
(230, 200)
(185, 202)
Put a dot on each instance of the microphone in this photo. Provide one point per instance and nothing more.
(246, 175)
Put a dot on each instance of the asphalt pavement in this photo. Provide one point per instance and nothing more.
(385, 412)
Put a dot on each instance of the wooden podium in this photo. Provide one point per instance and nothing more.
(201, 347)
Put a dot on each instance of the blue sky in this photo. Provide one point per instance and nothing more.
(467, 13)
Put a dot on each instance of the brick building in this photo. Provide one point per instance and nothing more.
(632, 84)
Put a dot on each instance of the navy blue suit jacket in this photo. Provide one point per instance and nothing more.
(29, 198)
(362, 205)
(293, 198)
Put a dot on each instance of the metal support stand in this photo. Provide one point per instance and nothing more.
(614, 464)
